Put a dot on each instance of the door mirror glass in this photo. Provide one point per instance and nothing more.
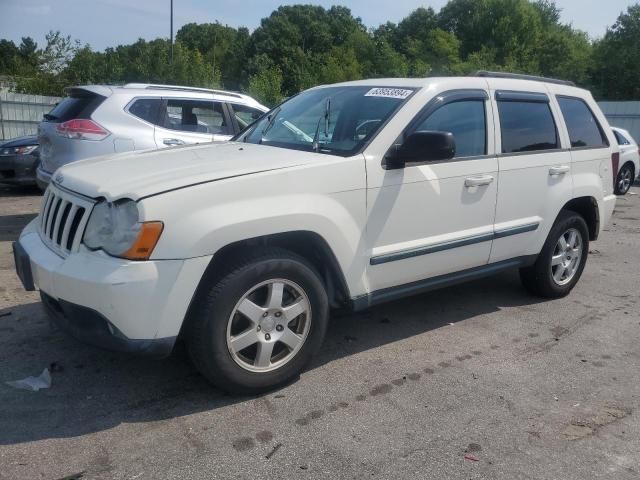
(422, 146)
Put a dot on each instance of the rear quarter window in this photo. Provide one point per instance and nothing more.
(147, 109)
(75, 106)
(584, 129)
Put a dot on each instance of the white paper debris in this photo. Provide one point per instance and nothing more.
(33, 383)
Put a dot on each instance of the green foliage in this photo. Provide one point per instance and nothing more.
(299, 46)
(618, 58)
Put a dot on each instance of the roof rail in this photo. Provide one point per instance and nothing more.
(519, 76)
(182, 89)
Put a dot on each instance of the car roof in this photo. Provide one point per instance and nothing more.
(523, 83)
(169, 91)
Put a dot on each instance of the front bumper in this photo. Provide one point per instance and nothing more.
(110, 302)
(43, 178)
(92, 328)
(18, 169)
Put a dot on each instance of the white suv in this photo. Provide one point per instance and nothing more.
(346, 195)
(98, 120)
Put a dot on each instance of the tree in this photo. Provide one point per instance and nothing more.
(59, 51)
(618, 58)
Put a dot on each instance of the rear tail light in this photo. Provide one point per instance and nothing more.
(81, 129)
(615, 164)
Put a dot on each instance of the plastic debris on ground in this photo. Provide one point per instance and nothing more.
(33, 383)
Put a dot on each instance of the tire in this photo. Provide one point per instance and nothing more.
(235, 308)
(546, 280)
(625, 179)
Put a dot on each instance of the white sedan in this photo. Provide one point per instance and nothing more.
(629, 160)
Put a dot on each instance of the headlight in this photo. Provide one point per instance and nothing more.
(24, 150)
(116, 229)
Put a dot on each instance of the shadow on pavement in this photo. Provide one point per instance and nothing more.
(97, 390)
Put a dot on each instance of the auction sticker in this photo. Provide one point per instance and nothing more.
(389, 92)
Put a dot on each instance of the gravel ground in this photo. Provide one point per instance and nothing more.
(475, 381)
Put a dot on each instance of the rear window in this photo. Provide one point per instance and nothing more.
(75, 106)
(584, 129)
(527, 127)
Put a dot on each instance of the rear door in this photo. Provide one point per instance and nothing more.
(187, 121)
(535, 167)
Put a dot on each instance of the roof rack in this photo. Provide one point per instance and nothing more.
(181, 89)
(519, 76)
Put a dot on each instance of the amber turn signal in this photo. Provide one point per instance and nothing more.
(145, 243)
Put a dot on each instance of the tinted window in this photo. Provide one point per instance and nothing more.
(584, 130)
(620, 138)
(147, 109)
(466, 120)
(245, 116)
(198, 116)
(75, 106)
(527, 127)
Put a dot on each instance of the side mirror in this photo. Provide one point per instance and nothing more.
(421, 146)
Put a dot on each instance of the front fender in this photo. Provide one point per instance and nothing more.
(202, 219)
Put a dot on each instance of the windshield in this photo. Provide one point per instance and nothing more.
(334, 120)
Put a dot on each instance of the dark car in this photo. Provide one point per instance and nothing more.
(19, 159)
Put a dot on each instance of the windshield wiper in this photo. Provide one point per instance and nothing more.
(327, 121)
(272, 120)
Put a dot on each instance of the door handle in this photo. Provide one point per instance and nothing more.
(561, 170)
(478, 181)
(172, 141)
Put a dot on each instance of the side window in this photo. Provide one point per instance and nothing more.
(620, 138)
(466, 120)
(147, 109)
(198, 116)
(584, 129)
(527, 126)
(245, 116)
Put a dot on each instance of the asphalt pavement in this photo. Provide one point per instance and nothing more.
(477, 381)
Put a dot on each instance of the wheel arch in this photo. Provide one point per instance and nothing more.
(587, 208)
(307, 244)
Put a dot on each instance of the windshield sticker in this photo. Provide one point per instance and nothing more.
(389, 93)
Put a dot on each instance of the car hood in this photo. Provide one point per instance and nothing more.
(140, 174)
(21, 142)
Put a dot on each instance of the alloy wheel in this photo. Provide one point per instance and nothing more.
(269, 325)
(566, 258)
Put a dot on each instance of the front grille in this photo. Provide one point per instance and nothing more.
(63, 218)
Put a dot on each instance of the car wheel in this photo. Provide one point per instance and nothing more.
(257, 326)
(562, 259)
(624, 179)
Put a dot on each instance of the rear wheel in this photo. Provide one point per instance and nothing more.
(562, 259)
(624, 179)
(259, 325)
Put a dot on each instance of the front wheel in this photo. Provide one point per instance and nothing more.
(562, 259)
(259, 325)
(624, 179)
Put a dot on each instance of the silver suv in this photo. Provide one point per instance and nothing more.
(97, 120)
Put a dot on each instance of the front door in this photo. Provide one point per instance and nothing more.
(435, 218)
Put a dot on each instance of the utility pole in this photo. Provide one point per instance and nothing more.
(171, 34)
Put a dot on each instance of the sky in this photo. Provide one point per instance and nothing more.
(104, 23)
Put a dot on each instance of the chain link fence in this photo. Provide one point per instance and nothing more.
(21, 113)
